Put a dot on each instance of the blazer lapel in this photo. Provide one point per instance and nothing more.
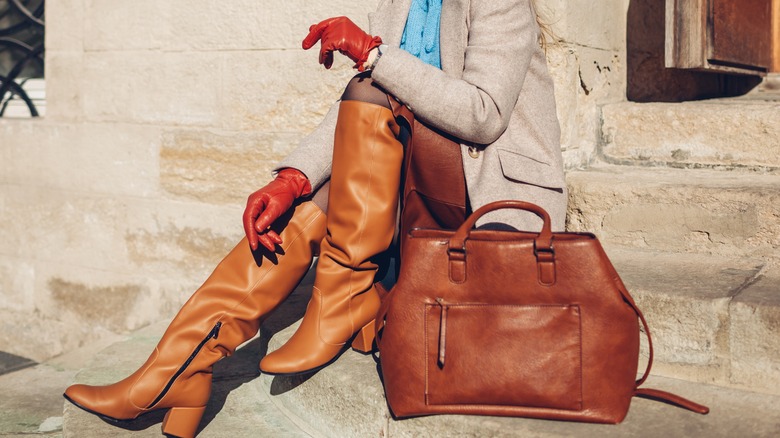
(453, 35)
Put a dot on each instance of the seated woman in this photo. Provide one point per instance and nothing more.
(471, 69)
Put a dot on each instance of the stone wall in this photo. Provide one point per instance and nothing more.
(588, 63)
(161, 118)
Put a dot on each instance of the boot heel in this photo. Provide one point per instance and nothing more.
(182, 422)
(364, 340)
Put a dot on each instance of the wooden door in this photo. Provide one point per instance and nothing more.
(728, 36)
(776, 36)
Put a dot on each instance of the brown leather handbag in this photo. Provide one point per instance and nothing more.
(511, 323)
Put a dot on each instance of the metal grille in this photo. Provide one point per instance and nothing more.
(21, 50)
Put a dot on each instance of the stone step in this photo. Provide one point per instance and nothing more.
(31, 398)
(713, 319)
(687, 210)
(722, 133)
(244, 408)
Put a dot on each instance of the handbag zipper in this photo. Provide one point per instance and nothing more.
(442, 331)
(214, 333)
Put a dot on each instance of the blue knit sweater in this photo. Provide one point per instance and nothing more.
(421, 34)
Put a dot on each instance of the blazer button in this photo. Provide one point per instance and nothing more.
(473, 152)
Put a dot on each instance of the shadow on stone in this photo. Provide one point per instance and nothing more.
(386, 275)
(242, 367)
(282, 384)
(10, 363)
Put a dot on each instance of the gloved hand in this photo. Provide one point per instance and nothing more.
(340, 33)
(266, 205)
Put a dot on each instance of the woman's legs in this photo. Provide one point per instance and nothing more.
(222, 314)
(225, 311)
(363, 89)
(362, 205)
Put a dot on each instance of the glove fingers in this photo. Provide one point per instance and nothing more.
(326, 53)
(326, 59)
(250, 214)
(315, 32)
(275, 238)
(266, 242)
(251, 236)
(267, 217)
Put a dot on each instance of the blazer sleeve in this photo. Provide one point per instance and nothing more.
(475, 107)
(314, 153)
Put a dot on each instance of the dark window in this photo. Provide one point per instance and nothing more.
(22, 91)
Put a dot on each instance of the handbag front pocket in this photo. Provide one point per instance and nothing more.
(504, 355)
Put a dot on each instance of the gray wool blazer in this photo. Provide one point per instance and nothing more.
(494, 92)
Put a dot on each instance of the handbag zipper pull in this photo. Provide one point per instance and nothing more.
(442, 331)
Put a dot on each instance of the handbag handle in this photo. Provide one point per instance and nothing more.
(542, 243)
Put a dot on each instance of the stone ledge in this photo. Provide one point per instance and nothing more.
(702, 315)
(346, 399)
(678, 210)
(327, 401)
(725, 133)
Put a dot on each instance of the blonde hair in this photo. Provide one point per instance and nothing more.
(546, 35)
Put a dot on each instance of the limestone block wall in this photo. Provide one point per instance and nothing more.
(162, 116)
(588, 63)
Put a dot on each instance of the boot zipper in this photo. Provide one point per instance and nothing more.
(214, 333)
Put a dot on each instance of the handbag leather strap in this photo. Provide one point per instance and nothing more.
(650, 393)
(385, 297)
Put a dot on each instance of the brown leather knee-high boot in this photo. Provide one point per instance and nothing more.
(362, 205)
(223, 313)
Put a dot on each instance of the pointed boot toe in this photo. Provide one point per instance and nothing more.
(83, 396)
(101, 401)
(315, 344)
(77, 394)
(302, 354)
(283, 363)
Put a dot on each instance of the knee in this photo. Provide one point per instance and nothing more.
(362, 88)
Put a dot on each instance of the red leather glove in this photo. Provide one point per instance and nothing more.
(266, 205)
(341, 34)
